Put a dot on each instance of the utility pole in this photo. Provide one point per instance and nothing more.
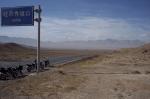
(38, 20)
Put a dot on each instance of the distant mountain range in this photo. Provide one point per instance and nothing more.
(91, 44)
(19, 40)
(12, 47)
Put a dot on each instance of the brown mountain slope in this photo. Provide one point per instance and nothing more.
(16, 52)
(13, 52)
(10, 47)
(130, 56)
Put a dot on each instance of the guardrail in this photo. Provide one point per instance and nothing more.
(20, 69)
(79, 58)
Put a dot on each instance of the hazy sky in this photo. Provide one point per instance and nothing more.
(85, 19)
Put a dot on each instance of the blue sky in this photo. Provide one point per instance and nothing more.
(85, 20)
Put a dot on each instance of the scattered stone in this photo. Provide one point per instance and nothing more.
(136, 72)
(62, 72)
(147, 72)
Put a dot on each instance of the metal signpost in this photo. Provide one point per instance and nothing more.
(22, 16)
(39, 30)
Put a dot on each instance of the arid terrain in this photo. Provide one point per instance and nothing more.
(121, 74)
(16, 52)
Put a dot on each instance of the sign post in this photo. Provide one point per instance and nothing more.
(22, 16)
(38, 41)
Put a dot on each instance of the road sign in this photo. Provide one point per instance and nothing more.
(23, 16)
(17, 16)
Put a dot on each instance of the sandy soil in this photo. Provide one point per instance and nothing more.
(121, 75)
(104, 82)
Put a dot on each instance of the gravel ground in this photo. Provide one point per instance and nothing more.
(116, 76)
